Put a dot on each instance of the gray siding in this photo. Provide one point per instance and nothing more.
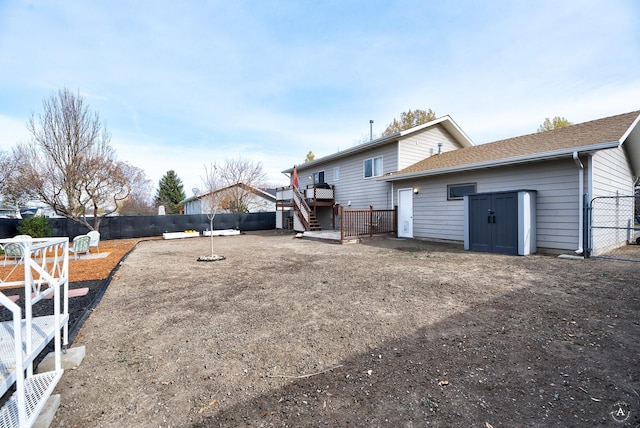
(363, 192)
(423, 145)
(255, 204)
(193, 207)
(556, 211)
(611, 173)
(611, 176)
(352, 186)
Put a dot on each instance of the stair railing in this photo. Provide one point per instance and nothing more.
(301, 208)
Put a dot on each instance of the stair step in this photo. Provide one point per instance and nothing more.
(314, 225)
(42, 333)
(39, 387)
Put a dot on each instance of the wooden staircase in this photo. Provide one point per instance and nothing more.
(313, 223)
(304, 215)
(296, 208)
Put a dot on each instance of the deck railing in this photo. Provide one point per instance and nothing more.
(301, 209)
(312, 193)
(315, 193)
(358, 223)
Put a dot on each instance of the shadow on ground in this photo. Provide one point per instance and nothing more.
(530, 358)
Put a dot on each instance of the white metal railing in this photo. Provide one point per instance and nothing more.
(46, 266)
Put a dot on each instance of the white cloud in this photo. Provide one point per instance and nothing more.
(11, 131)
(181, 84)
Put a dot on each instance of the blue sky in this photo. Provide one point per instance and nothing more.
(181, 84)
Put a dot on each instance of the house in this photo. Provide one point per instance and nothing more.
(9, 212)
(239, 197)
(562, 172)
(351, 178)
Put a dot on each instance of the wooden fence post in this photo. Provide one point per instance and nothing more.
(395, 220)
(341, 223)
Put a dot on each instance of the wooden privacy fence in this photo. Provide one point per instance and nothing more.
(357, 223)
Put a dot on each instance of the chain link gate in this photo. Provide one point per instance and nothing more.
(613, 230)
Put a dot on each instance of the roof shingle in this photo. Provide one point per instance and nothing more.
(610, 129)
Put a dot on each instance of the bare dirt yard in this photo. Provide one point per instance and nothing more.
(388, 332)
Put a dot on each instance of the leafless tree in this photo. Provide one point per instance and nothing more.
(237, 176)
(7, 173)
(227, 187)
(140, 200)
(5, 164)
(69, 163)
(210, 199)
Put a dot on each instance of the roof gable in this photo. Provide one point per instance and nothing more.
(259, 192)
(593, 135)
(445, 121)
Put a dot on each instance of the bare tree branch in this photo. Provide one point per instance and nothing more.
(69, 163)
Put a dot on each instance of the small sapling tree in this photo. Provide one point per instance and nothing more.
(210, 201)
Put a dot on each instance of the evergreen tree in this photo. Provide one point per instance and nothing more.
(170, 193)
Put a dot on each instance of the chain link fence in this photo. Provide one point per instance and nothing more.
(614, 227)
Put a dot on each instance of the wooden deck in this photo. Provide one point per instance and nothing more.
(332, 236)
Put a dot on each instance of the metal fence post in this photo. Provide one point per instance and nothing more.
(586, 228)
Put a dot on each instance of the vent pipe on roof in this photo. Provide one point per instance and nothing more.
(371, 130)
(439, 148)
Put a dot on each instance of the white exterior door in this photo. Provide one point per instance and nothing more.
(405, 213)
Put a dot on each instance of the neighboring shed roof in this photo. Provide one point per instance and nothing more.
(445, 121)
(590, 136)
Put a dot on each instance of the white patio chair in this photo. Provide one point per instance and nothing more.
(94, 235)
(13, 250)
(80, 245)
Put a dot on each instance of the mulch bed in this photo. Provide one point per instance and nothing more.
(91, 273)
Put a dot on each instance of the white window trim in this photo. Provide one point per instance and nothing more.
(449, 186)
(373, 172)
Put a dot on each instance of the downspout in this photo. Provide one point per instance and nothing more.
(392, 196)
(576, 159)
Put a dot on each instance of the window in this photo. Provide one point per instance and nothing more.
(336, 173)
(373, 167)
(457, 191)
(318, 177)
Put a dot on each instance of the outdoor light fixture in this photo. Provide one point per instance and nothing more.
(415, 190)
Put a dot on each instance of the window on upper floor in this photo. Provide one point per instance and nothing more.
(318, 177)
(336, 173)
(373, 167)
(458, 191)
